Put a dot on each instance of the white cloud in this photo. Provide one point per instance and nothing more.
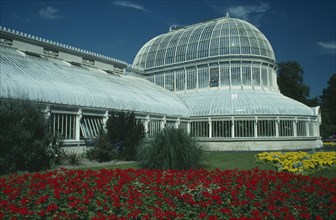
(245, 12)
(327, 45)
(127, 4)
(252, 13)
(50, 13)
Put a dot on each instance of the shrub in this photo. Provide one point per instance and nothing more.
(56, 151)
(102, 150)
(171, 149)
(73, 158)
(124, 134)
(24, 137)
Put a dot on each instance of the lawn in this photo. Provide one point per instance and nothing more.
(228, 161)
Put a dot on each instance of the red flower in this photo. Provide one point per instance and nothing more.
(202, 215)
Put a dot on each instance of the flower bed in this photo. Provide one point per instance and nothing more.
(155, 194)
(299, 162)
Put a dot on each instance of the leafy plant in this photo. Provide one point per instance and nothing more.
(24, 137)
(171, 149)
(73, 158)
(56, 151)
(124, 134)
(102, 150)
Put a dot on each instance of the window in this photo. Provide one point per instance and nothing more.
(180, 80)
(244, 128)
(235, 75)
(90, 126)
(301, 128)
(256, 76)
(53, 53)
(221, 129)
(200, 129)
(264, 76)
(159, 79)
(266, 128)
(214, 77)
(225, 75)
(154, 127)
(246, 75)
(191, 78)
(169, 81)
(64, 125)
(286, 128)
(6, 41)
(203, 77)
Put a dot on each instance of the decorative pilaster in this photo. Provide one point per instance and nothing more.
(78, 120)
(210, 127)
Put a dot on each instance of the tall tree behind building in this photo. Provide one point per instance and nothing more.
(290, 81)
(328, 108)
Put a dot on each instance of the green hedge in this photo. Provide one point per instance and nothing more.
(24, 137)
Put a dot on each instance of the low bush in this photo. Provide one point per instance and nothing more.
(171, 149)
(124, 134)
(24, 137)
(56, 151)
(73, 158)
(102, 150)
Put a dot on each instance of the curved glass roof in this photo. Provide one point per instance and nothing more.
(219, 37)
(247, 102)
(56, 81)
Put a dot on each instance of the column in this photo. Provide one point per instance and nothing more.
(232, 127)
(256, 127)
(210, 127)
(188, 127)
(277, 124)
(295, 127)
(78, 120)
(105, 119)
(177, 123)
(163, 123)
(146, 125)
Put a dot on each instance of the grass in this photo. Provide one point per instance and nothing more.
(227, 161)
(234, 160)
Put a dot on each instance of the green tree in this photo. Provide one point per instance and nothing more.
(125, 133)
(24, 137)
(291, 81)
(328, 108)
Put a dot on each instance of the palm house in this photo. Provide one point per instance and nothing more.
(216, 79)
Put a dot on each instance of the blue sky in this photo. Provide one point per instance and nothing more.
(297, 30)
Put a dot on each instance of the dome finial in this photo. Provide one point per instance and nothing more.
(227, 14)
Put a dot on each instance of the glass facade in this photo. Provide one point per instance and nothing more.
(219, 37)
(216, 80)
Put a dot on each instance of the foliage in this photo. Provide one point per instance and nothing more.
(56, 151)
(328, 106)
(24, 137)
(171, 149)
(291, 81)
(102, 150)
(169, 194)
(124, 133)
(73, 158)
(329, 144)
(299, 162)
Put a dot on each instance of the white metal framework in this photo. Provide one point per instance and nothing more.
(216, 80)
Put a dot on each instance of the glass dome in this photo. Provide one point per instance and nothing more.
(223, 37)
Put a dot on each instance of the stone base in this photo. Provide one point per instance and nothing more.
(262, 145)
